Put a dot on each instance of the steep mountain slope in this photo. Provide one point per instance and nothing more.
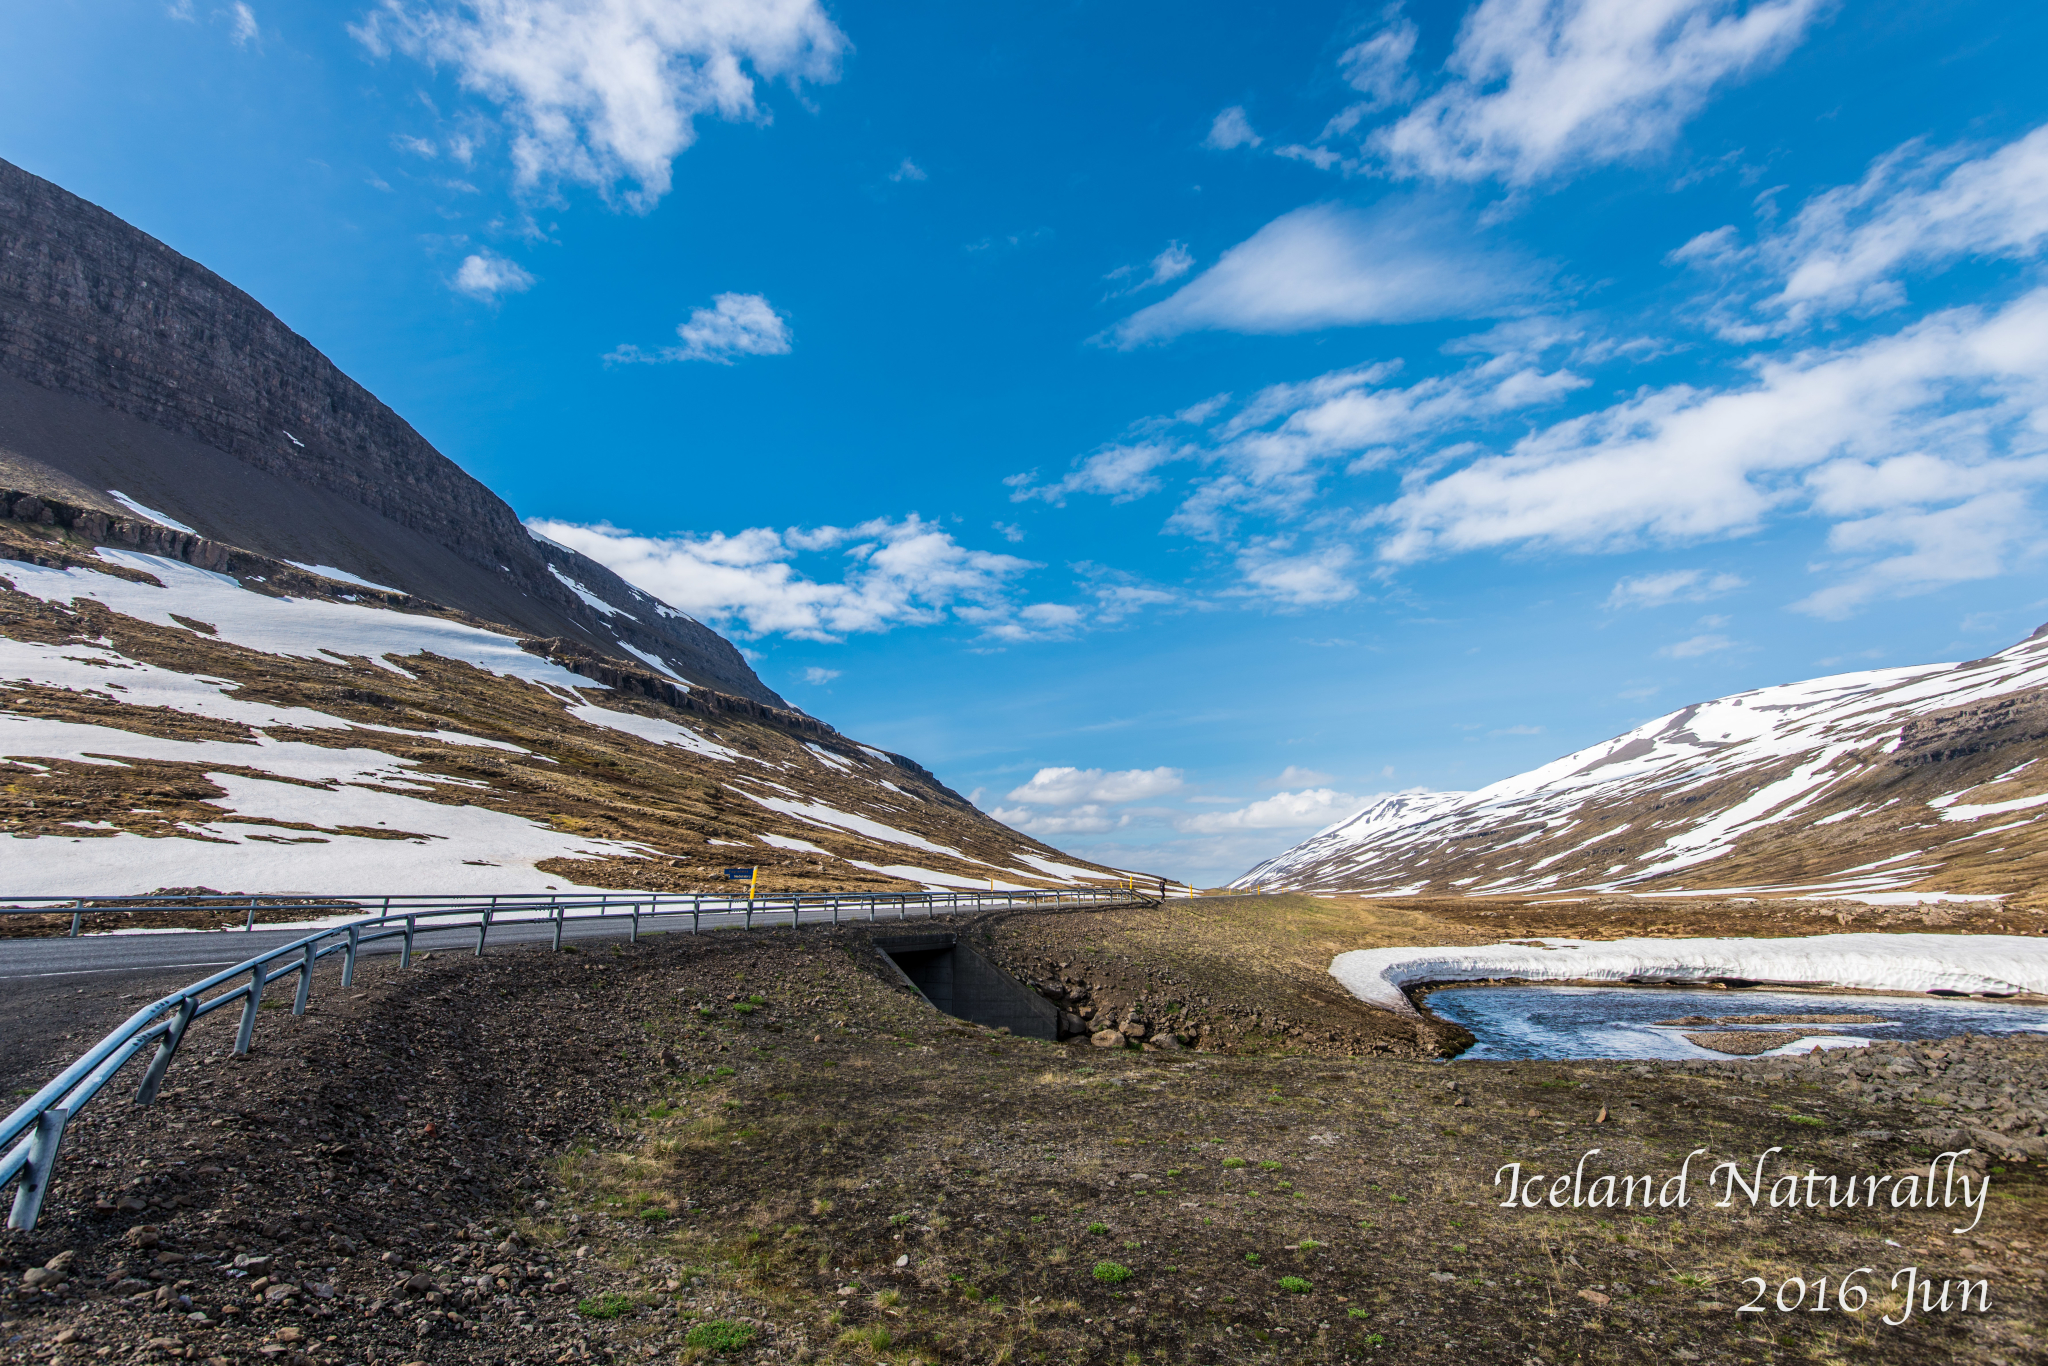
(127, 368)
(1916, 780)
(257, 635)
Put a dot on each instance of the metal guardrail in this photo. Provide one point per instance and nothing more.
(36, 1126)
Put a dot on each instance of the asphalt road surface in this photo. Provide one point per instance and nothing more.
(58, 996)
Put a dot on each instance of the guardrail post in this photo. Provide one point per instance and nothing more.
(249, 925)
(750, 913)
(696, 909)
(558, 926)
(484, 926)
(633, 934)
(348, 959)
(305, 992)
(405, 954)
(77, 914)
(796, 909)
(35, 1176)
(166, 1047)
(247, 1034)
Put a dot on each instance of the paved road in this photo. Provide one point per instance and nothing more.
(62, 994)
(201, 954)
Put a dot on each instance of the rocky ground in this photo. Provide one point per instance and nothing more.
(757, 1148)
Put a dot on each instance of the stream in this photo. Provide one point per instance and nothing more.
(1653, 1022)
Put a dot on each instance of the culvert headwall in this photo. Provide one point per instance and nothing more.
(961, 983)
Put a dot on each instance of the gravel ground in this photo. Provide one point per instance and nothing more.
(756, 1148)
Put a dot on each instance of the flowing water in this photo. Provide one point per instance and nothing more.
(1635, 1022)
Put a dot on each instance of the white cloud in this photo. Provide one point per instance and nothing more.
(1540, 87)
(1313, 808)
(897, 573)
(1121, 472)
(1312, 578)
(242, 29)
(1294, 776)
(1077, 820)
(1846, 247)
(1168, 265)
(1672, 585)
(607, 91)
(1074, 786)
(1697, 646)
(734, 325)
(1331, 266)
(488, 276)
(1517, 730)
(1976, 539)
(1827, 432)
(181, 10)
(1231, 129)
(908, 170)
(418, 147)
(1377, 67)
(818, 677)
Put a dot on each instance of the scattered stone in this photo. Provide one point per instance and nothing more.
(1108, 1038)
(1595, 1298)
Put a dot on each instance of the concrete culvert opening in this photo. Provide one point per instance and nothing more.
(961, 983)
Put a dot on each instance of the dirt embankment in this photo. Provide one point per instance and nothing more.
(756, 1147)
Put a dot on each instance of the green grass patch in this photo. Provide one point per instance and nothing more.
(720, 1335)
(603, 1306)
(1295, 1285)
(1111, 1273)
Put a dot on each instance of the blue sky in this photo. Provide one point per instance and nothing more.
(1172, 423)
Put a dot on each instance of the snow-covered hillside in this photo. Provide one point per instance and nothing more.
(164, 725)
(1920, 780)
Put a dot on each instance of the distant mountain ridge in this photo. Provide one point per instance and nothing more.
(127, 366)
(1912, 781)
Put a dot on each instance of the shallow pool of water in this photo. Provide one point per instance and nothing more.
(1623, 1022)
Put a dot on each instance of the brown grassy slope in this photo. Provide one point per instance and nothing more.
(855, 1179)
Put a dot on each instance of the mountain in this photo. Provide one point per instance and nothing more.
(1909, 781)
(257, 634)
(131, 376)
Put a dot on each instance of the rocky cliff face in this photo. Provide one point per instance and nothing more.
(121, 360)
(1887, 783)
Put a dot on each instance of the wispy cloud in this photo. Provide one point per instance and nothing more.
(906, 572)
(1073, 786)
(734, 325)
(1537, 90)
(1833, 432)
(607, 92)
(818, 677)
(1672, 585)
(908, 170)
(1231, 129)
(242, 26)
(1305, 810)
(1167, 266)
(1696, 646)
(1328, 265)
(1847, 249)
(488, 276)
